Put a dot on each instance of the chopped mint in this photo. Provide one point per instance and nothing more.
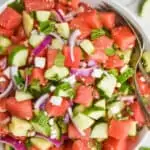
(110, 51)
(96, 33)
(47, 26)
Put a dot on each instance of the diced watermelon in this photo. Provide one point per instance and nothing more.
(33, 5)
(74, 134)
(80, 145)
(3, 84)
(10, 19)
(123, 37)
(137, 113)
(91, 18)
(103, 43)
(57, 111)
(51, 55)
(73, 3)
(77, 57)
(114, 62)
(38, 74)
(99, 56)
(119, 129)
(6, 32)
(33, 148)
(86, 80)
(3, 105)
(114, 144)
(3, 131)
(22, 109)
(84, 95)
(108, 19)
(3, 118)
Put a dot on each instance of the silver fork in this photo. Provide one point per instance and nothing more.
(136, 55)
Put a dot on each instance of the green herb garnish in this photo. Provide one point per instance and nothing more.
(96, 33)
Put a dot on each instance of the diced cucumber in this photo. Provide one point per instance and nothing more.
(133, 128)
(146, 59)
(57, 44)
(18, 56)
(8, 147)
(22, 96)
(59, 60)
(43, 15)
(82, 121)
(107, 85)
(125, 55)
(35, 39)
(55, 132)
(56, 73)
(100, 131)
(95, 113)
(78, 109)
(19, 127)
(62, 125)
(28, 23)
(87, 46)
(40, 143)
(101, 104)
(115, 108)
(63, 29)
(4, 43)
(144, 8)
(40, 123)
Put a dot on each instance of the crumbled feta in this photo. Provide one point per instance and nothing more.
(124, 68)
(52, 88)
(39, 62)
(97, 73)
(51, 121)
(2, 79)
(56, 100)
(31, 133)
(6, 72)
(71, 80)
(142, 79)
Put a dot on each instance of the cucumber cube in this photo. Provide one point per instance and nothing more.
(82, 121)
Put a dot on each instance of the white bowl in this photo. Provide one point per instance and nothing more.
(144, 135)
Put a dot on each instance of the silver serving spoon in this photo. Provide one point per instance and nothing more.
(136, 55)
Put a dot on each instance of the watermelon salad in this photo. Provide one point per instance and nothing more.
(65, 78)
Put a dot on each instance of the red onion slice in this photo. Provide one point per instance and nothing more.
(71, 118)
(59, 16)
(72, 42)
(3, 63)
(40, 101)
(129, 99)
(43, 45)
(86, 72)
(7, 91)
(57, 37)
(17, 145)
(92, 63)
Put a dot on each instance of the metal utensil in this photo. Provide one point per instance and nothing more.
(136, 55)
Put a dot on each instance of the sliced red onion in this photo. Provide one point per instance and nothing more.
(92, 63)
(43, 45)
(66, 118)
(56, 142)
(6, 72)
(7, 91)
(129, 99)
(40, 101)
(72, 42)
(71, 118)
(5, 121)
(3, 63)
(83, 64)
(17, 145)
(82, 71)
(59, 16)
(57, 37)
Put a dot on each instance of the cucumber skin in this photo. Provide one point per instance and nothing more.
(13, 53)
(141, 7)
